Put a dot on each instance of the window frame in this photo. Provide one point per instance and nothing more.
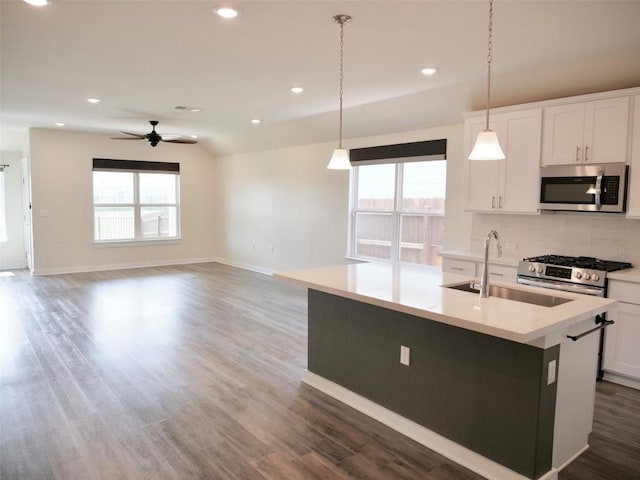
(397, 214)
(137, 206)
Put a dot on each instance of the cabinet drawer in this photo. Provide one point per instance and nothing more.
(624, 291)
(459, 266)
(501, 273)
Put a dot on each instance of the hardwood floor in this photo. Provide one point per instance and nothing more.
(193, 372)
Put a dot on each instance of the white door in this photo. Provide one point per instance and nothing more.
(26, 210)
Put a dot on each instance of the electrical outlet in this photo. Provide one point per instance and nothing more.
(551, 372)
(405, 355)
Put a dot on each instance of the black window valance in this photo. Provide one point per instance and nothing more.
(135, 165)
(400, 153)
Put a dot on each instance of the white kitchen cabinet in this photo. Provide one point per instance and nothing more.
(462, 267)
(633, 205)
(511, 185)
(622, 344)
(590, 132)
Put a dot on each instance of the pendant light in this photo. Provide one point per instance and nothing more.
(340, 157)
(487, 146)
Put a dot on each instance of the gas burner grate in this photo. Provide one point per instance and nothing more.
(580, 262)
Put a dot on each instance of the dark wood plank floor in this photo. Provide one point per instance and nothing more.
(193, 372)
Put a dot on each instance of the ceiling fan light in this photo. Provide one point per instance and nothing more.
(487, 147)
(339, 160)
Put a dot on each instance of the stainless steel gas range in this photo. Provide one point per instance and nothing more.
(585, 275)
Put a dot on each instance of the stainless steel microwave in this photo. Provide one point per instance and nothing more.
(591, 188)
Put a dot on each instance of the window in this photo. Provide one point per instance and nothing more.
(398, 210)
(135, 200)
(3, 213)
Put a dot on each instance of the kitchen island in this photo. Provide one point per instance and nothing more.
(493, 384)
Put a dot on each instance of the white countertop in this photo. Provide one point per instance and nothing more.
(628, 275)
(418, 291)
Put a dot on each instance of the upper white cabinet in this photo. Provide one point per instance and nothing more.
(590, 132)
(633, 205)
(511, 185)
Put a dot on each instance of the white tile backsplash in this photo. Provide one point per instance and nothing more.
(601, 235)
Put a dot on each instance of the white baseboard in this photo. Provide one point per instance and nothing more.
(119, 266)
(244, 266)
(455, 452)
(622, 380)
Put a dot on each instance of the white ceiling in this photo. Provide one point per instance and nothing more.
(143, 58)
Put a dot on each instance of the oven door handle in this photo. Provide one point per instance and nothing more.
(602, 324)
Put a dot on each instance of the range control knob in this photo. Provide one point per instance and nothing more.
(595, 277)
(578, 275)
(532, 268)
(539, 269)
(587, 276)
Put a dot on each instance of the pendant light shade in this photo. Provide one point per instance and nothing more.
(340, 158)
(487, 146)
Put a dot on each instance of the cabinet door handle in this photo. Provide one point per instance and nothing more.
(460, 269)
(497, 274)
(493, 201)
(577, 154)
(500, 201)
(586, 153)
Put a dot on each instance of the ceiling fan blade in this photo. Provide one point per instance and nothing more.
(134, 134)
(127, 138)
(180, 140)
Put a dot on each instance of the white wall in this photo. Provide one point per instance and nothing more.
(282, 209)
(61, 183)
(607, 236)
(12, 252)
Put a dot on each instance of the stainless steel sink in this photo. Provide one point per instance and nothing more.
(513, 294)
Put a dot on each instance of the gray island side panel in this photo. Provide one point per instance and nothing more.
(485, 393)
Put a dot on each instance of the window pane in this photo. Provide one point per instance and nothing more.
(157, 188)
(424, 185)
(114, 223)
(158, 222)
(376, 186)
(374, 232)
(421, 239)
(112, 187)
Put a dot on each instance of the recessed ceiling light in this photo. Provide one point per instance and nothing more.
(193, 136)
(59, 124)
(428, 71)
(297, 89)
(255, 121)
(226, 12)
(93, 100)
(37, 3)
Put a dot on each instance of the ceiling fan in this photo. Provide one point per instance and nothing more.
(152, 137)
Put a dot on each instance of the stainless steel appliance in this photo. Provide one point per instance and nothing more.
(585, 275)
(591, 188)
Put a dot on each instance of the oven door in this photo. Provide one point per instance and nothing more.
(591, 188)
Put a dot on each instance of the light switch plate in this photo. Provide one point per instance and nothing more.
(551, 372)
(405, 355)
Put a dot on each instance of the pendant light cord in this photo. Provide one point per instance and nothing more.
(489, 59)
(341, 78)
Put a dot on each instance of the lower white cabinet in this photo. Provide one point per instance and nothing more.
(473, 268)
(462, 267)
(622, 346)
